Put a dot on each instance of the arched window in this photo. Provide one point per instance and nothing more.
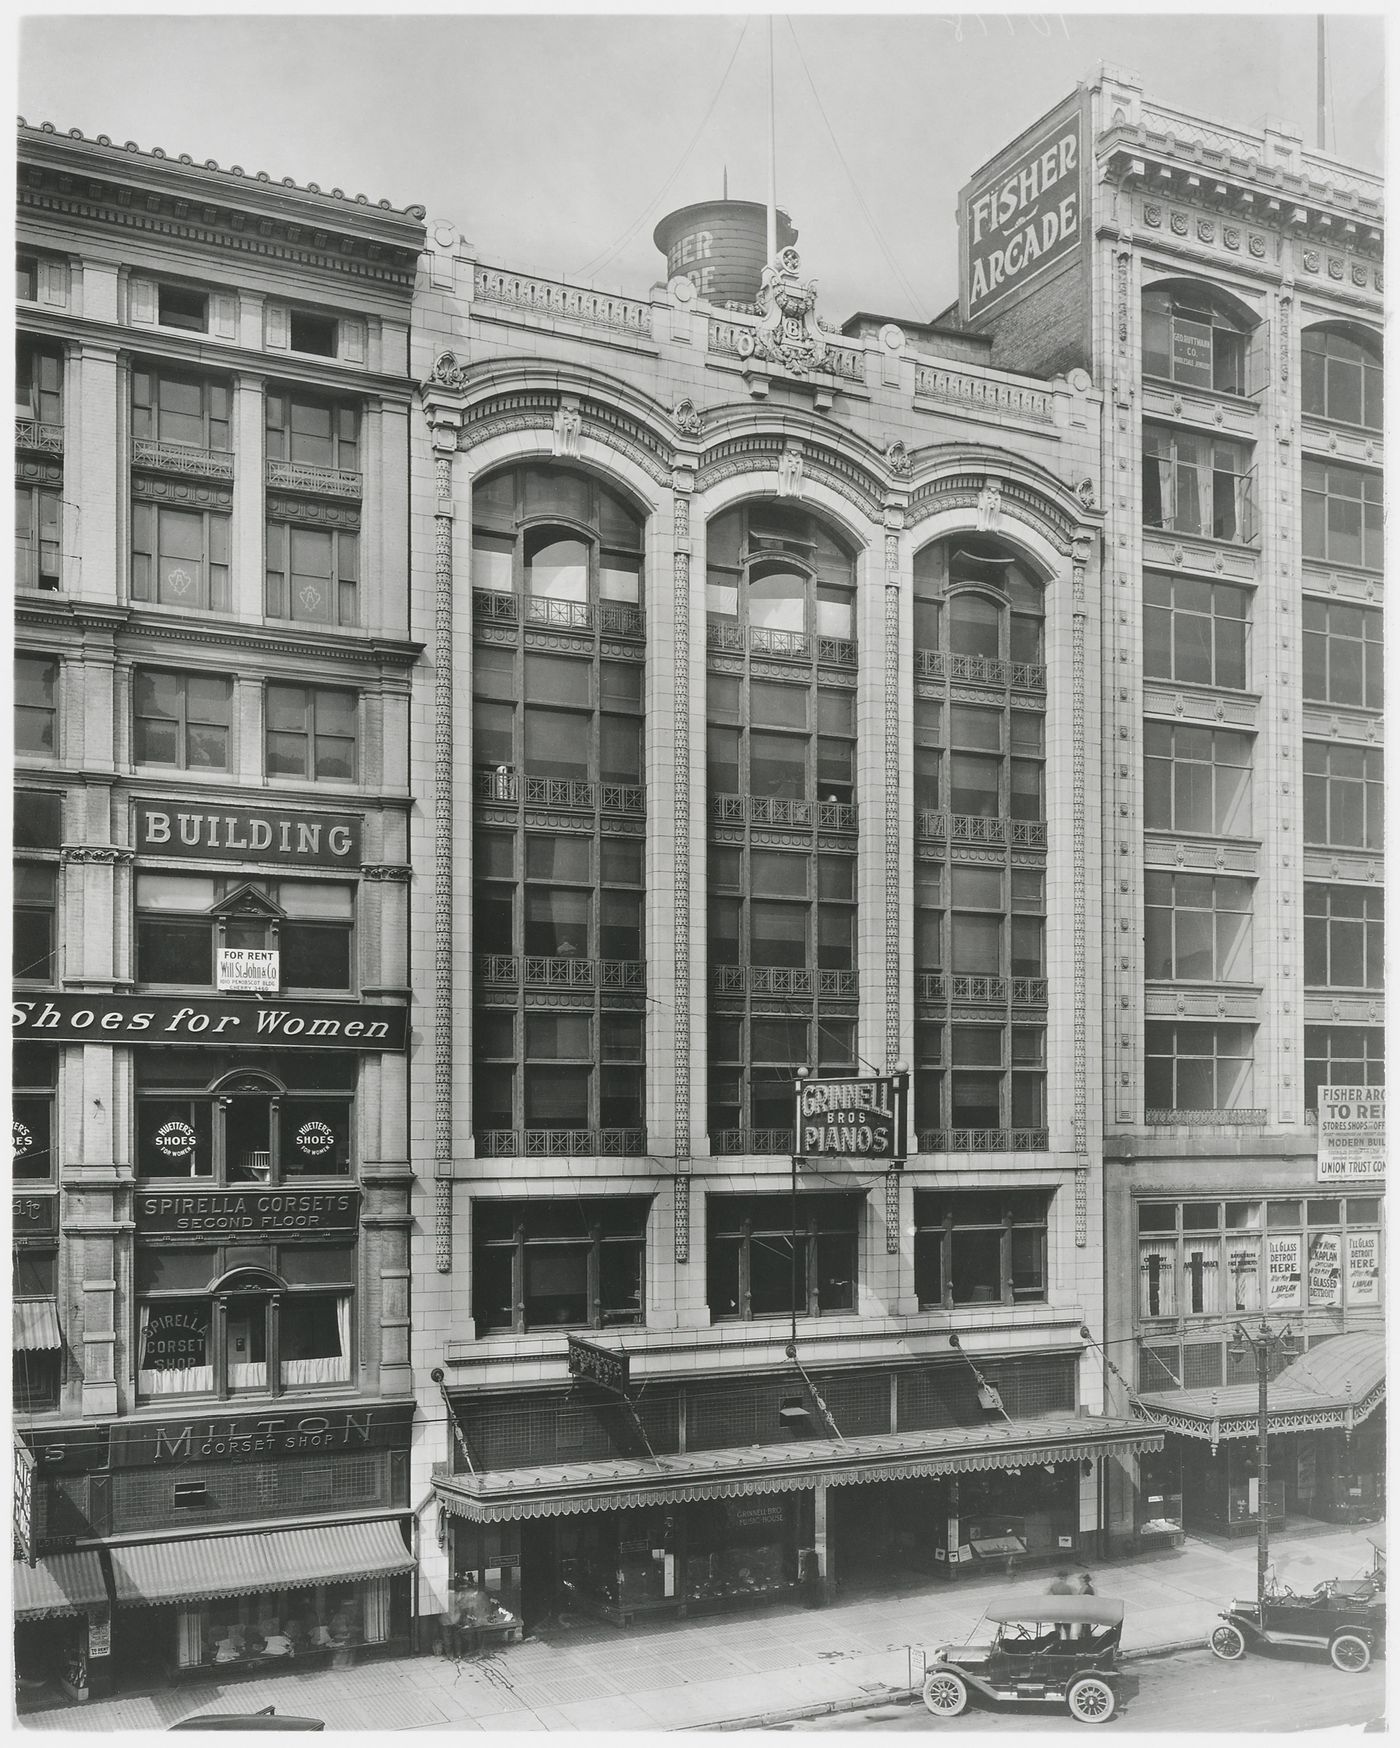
(1193, 336)
(1343, 376)
(780, 708)
(979, 876)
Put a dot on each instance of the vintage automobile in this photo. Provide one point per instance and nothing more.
(1057, 1649)
(269, 1718)
(1343, 1616)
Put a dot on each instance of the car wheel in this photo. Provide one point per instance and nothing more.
(1349, 1651)
(945, 1694)
(1227, 1642)
(1091, 1700)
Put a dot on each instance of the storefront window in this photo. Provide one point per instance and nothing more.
(980, 1248)
(741, 1548)
(223, 1319)
(559, 1264)
(280, 1626)
(283, 1118)
(752, 1269)
(34, 1070)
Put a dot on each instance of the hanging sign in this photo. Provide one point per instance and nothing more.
(1286, 1272)
(605, 1366)
(254, 970)
(1350, 1132)
(864, 1118)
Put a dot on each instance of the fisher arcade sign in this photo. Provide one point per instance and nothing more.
(1023, 215)
(853, 1119)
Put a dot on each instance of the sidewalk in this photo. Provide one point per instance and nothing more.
(730, 1670)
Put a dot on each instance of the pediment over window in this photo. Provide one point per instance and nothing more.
(248, 900)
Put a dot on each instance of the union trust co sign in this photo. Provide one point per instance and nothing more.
(140, 1019)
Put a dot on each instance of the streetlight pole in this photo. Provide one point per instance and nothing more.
(1263, 1344)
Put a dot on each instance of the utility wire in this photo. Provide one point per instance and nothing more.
(601, 260)
(915, 303)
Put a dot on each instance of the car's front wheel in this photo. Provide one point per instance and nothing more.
(1091, 1700)
(945, 1694)
(1349, 1651)
(1227, 1642)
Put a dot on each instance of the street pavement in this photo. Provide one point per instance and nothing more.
(732, 1671)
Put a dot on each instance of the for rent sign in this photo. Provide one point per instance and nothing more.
(1023, 214)
(853, 1119)
(1350, 1132)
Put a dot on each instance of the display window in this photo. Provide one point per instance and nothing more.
(281, 1626)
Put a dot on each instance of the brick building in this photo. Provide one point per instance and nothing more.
(213, 649)
(1230, 307)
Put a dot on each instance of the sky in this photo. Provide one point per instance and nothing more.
(555, 142)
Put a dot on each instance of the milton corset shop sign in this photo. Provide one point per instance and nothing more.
(174, 828)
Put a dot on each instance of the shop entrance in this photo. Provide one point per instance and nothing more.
(143, 1642)
(538, 1571)
(883, 1526)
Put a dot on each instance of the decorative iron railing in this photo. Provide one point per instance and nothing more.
(35, 434)
(983, 1140)
(731, 1141)
(323, 482)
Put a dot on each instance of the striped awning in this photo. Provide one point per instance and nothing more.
(270, 1560)
(36, 1326)
(59, 1584)
(1337, 1383)
(620, 1484)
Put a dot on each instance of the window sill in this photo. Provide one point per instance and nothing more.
(1212, 540)
(1371, 573)
(1228, 397)
(1203, 688)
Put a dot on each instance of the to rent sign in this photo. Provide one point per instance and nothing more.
(242, 1023)
(853, 1119)
(1023, 214)
(1350, 1132)
(246, 1210)
(171, 828)
(599, 1365)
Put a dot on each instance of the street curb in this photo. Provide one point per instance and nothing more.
(895, 1696)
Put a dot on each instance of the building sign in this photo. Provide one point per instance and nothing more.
(1350, 1132)
(1192, 353)
(853, 1119)
(314, 1139)
(605, 1366)
(202, 1020)
(175, 1341)
(247, 1210)
(1325, 1269)
(1286, 1272)
(1023, 215)
(253, 970)
(35, 1214)
(1363, 1268)
(319, 840)
(143, 1444)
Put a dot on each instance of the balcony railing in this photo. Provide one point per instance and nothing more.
(763, 640)
(321, 482)
(836, 652)
(556, 1143)
(753, 1141)
(35, 435)
(565, 615)
(178, 458)
(781, 980)
(933, 986)
(621, 619)
(983, 1140)
(937, 664)
(930, 986)
(974, 828)
(495, 604)
(560, 971)
(781, 810)
(503, 784)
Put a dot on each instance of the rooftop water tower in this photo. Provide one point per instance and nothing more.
(721, 246)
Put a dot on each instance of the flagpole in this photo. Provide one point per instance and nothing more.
(772, 155)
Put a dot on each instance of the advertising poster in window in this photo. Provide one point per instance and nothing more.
(1350, 1132)
(1325, 1268)
(175, 1341)
(1242, 1261)
(252, 970)
(1286, 1272)
(1363, 1268)
(1191, 353)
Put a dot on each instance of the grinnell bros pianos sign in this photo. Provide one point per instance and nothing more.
(864, 1118)
(144, 1019)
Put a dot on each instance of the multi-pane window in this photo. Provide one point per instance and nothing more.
(574, 724)
(313, 574)
(1188, 338)
(311, 732)
(980, 1247)
(780, 576)
(1197, 484)
(754, 1063)
(979, 607)
(1198, 1066)
(574, 1081)
(1341, 1056)
(26, 277)
(38, 537)
(1343, 795)
(1343, 936)
(221, 1321)
(181, 719)
(169, 406)
(36, 704)
(792, 911)
(1342, 654)
(772, 1256)
(182, 306)
(182, 920)
(35, 914)
(1199, 927)
(1343, 378)
(34, 1083)
(1215, 1259)
(313, 430)
(38, 382)
(1197, 779)
(1342, 514)
(1193, 631)
(775, 755)
(180, 558)
(569, 1264)
(275, 1118)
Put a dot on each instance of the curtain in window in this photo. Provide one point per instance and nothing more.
(1157, 1274)
(192, 1631)
(331, 1368)
(376, 1599)
(174, 1380)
